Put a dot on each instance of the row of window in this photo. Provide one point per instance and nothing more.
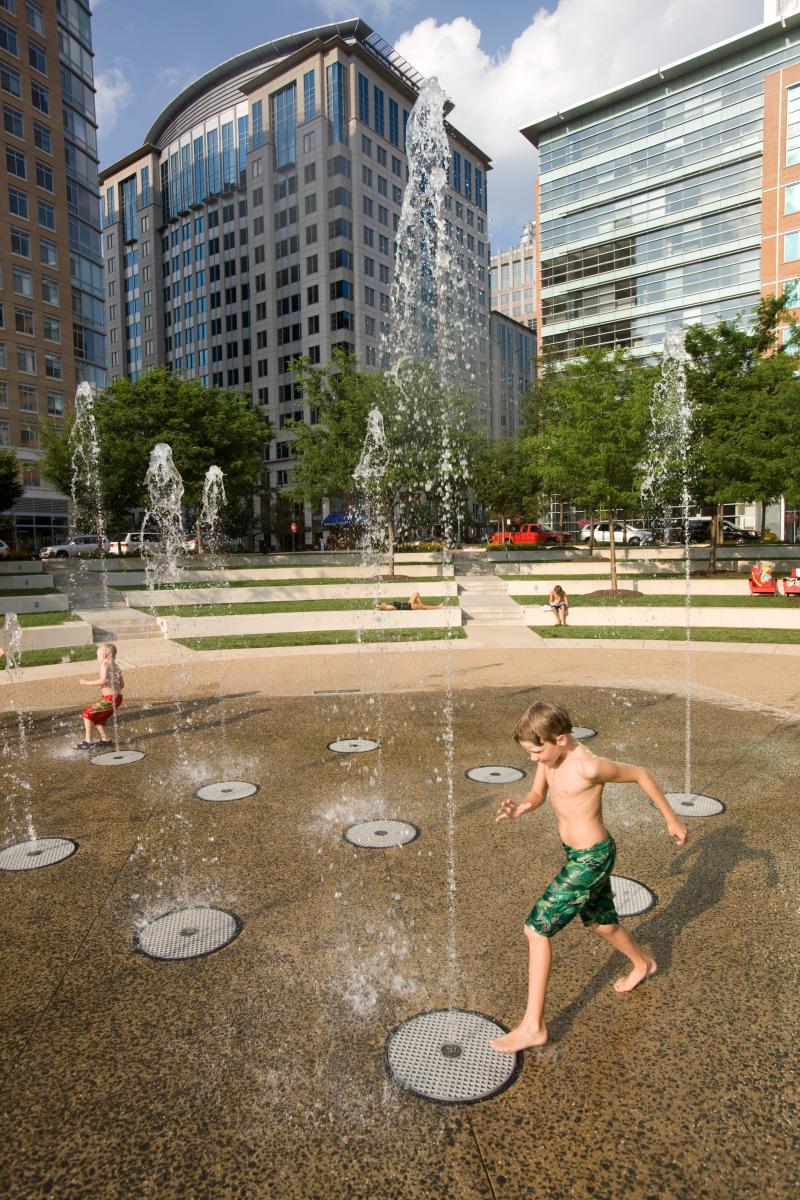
(717, 229)
(21, 245)
(17, 165)
(25, 323)
(741, 271)
(681, 152)
(28, 399)
(719, 188)
(22, 285)
(27, 362)
(11, 83)
(647, 333)
(9, 43)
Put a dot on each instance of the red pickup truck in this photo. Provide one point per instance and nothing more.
(531, 534)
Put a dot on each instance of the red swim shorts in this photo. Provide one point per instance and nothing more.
(99, 712)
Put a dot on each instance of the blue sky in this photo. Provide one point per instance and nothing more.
(503, 64)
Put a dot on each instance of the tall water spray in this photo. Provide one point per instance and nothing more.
(370, 478)
(434, 326)
(86, 488)
(667, 475)
(214, 499)
(163, 516)
(18, 785)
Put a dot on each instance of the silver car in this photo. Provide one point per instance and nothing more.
(624, 534)
(77, 545)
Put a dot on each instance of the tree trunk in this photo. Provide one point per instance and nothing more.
(716, 526)
(612, 547)
(591, 533)
(390, 540)
(199, 543)
(762, 525)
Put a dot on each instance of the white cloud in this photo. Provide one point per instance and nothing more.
(582, 48)
(114, 93)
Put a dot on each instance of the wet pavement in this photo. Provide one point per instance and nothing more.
(259, 1071)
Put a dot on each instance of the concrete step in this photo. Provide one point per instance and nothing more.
(112, 625)
(488, 585)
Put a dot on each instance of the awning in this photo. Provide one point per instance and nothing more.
(344, 518)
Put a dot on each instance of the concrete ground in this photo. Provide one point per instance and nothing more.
(259, 1071)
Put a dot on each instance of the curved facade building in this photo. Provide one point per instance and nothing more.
(256, 222)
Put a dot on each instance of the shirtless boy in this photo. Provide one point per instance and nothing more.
(582, 887)
(111, 684)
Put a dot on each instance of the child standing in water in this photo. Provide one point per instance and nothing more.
(559, 604)
(575, 779)
(111, 684)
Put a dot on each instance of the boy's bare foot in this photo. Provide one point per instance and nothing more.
(519, 1039)
(636, 976)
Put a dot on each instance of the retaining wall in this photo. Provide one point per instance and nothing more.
(48, 637)
(700, 618)
(190, 627)
(20, 567)
(30, 604)
(262, 595)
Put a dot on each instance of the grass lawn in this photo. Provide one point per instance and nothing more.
(28, 591)
(58, 654)
(642, 600)
(655, 634)
(30, 620)
(258, 583)
(330, 637)
(280, 606)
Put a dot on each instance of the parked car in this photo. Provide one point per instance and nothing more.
(222, 546)
(4, 549)
(76, 546)
(530, 534)
(700, 531)
(624, 534)
(131, 543)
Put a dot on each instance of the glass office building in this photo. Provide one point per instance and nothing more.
(257, 222)
(672, 200)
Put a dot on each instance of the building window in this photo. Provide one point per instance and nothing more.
(791, 198)
(22, 282)
(793, 126)
(50, 292)
(15, 163)
(37, 57)
(284, 123)
(32, 476)
(20, 242)
(791, 246)
(17, 203)
(309, 95)
(28, 398)
(377, 103)
(44, 176)
(12, 121)
(26, 360)
(23, 321)
(5, 433)
(40, 98)
(394, 123)
(55, 404)
(10, 80)
(363, 99)
(47, 215)
(35, 17)
(52, 328)
(8, 39)
(337, 102)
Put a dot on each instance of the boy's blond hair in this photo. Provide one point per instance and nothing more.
(542, 722)
(110, 649)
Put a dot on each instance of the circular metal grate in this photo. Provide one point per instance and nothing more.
(631, 898)
(582, 732)
(494, 774)
(116, 758)
(374, 835)
(234, 789)
(445, 1055)
(353, 745)
(41, 852)
(692, 805)
(188, 933)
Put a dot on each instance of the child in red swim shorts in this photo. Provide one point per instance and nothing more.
(111, 684)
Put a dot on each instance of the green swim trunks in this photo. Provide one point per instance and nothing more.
(582, 887)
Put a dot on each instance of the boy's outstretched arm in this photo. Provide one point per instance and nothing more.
(605, 770)
(535, 798)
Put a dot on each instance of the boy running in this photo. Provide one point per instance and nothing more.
(111, 684)
(575, 779)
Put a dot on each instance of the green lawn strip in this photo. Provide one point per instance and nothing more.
(279, 606)
(258, 583)
(642, 600)
(57, 654)
(323, 637)
(27, 620)
(29, 591)
(675, 634)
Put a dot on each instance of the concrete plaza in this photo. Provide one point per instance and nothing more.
(259, 1071)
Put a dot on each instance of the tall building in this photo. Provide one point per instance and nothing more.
(673, 199)
(51, 280)
(256, 222)
(513, 279)
(512, 368)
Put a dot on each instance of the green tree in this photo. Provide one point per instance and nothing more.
(202, 425)
(430, 443)
(585, 432)
(745, 412)
(11, 485)
(504, 479)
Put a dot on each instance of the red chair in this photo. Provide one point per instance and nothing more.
(766, 586)
(791, 584)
